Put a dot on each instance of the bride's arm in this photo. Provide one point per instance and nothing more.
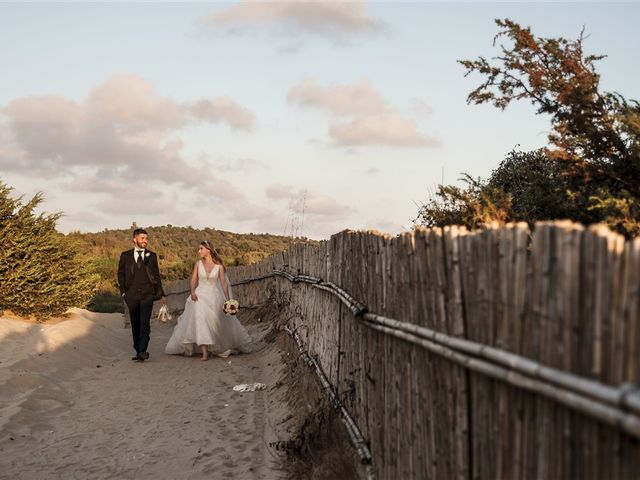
(194, 282)
(223, 282)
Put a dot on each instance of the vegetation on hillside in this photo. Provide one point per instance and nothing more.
(41, 274)
(590, 172)
(177, 253)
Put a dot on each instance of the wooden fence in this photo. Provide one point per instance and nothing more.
(564, 297)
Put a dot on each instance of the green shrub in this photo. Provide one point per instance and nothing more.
(40, 272)
(107, 303)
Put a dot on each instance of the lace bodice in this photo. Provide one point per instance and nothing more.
(209, 279)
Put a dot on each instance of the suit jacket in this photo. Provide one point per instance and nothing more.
(126, 271)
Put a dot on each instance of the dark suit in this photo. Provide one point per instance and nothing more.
(140, 284)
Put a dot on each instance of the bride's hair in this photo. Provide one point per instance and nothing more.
(214, 253)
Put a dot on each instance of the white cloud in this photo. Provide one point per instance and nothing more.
(389, 129)
(133, 105)
(124, 132)
(421, 108)
(384, 226)
(313, 204)
(360, 98)
(335, 19)
(279, 192)
(322, 205)
(223, 109)
(373, 121)
(245, 165)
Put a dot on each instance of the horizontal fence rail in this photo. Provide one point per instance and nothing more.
(355, 435)
(579, 393)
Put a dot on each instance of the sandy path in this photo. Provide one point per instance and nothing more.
(80, 408)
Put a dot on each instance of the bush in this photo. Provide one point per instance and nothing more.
(473, 206)
(40, 272)
(107, 303)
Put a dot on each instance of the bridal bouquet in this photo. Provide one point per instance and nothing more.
(231, 307)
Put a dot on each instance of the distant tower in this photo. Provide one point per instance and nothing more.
(304, 206)
(295, 217)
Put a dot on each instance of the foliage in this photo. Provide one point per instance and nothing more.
(40, 271)
(526, 186)
(597, 131)
(536, 185)
(592, 164)
(177, 253)
(621, 213)
(472, 206)
(107, 303)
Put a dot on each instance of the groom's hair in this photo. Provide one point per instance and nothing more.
(138, 231)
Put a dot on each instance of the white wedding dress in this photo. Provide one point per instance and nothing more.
(204, 323)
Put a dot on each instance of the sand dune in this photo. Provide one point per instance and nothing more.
(74, 405)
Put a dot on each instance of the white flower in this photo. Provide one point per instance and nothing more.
(146, 254)
(231, 307)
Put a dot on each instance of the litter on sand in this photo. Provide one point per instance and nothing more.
(249, 387)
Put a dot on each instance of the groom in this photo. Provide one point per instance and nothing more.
(140, 285)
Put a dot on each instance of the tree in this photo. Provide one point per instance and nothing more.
(473, 206)
(40, 272)
(594, 150)
(536, 186)
(595, 135)
(593, 130)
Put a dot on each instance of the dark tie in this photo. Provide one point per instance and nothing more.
(139, 261)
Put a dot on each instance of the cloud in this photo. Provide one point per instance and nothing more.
(360, 98)
(312, 203)
(279, 192)
(123, 132)
(334, 20)
(297, 211)
(421, 108)
(384, 226)
(133, 105)
(245, 165)
(372, 120)
(325, 206)
(381, 129)
(223, 110)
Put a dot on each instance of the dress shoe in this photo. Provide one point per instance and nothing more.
(143, 356)
(135, 358)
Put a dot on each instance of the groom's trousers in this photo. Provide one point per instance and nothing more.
(140, 313)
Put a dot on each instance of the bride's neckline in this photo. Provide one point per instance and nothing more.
(212, 268)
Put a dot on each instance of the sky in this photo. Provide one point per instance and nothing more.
(301, 118)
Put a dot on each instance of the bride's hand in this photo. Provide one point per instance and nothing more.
(194, 297)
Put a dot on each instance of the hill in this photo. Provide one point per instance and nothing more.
(177, 252)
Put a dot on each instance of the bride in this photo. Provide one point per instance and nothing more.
(203, 321)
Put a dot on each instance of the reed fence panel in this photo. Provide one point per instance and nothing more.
(563, 295)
